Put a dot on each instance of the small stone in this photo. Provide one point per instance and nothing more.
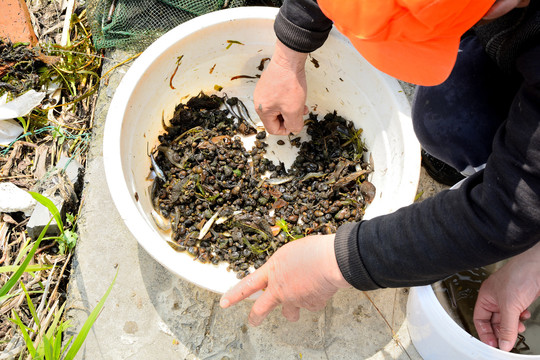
(41, 216)
(14, 199)
(73, 169)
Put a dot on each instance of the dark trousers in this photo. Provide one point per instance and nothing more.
(457, 120)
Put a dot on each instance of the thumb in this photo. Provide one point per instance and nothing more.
(508, 330)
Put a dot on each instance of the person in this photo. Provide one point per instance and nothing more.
(476, 109)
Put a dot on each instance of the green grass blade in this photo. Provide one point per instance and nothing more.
(57, 348)
(15, 277)
(31, 306)
(29, 268)
(23, 251)
(26, 337)
(79, 340)
(68, 343)
(48, 350)
(52, 328)
(52, 208)
(8, 296)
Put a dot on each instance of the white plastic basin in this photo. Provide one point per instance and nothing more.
(344, 81)
(437, 337)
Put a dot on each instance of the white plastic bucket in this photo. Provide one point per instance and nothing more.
(344, 81)
(437, 337)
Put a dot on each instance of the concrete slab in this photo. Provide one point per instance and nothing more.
(152, 314)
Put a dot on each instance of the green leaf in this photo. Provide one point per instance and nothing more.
(70, 238)
(57, 347)
(15, 277)
(24, 249)
(24, 331)
(68, 344)
(282, 225)
(79, 340)
(52, 208)
(48, 349)
(70, 218)
(17, 293)
(62, 247)
(237, 172)
(24, 123)
(87, 72)
(29, 268)
(31, 306)
(253, 248)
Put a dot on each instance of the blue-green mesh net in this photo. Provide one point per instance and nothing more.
(135, 24)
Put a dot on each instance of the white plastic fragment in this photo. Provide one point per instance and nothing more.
(21, 106)
(9, 131)
(14, 199)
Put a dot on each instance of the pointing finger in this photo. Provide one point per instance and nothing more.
(248, 286)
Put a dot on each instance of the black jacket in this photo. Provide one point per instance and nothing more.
(494, 215)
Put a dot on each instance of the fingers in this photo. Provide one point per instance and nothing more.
(283, 124)
(249, 285)
(521, 327)
(482, 323)
(262, 307)
(290, 312)
(525, 315)
(293, 123)
(508, 329)
(275, 125)
(486, 332)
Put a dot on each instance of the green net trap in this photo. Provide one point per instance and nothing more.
(135, 24)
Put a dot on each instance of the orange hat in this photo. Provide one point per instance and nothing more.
(413, 40)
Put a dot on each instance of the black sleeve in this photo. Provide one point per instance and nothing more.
(301, 25)
(495, 214)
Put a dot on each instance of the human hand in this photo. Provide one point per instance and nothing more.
(504, 298)
(280, 94)
(301, 274)
(502, 7)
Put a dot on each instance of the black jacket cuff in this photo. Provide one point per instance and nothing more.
(349, 258)
(298, 38)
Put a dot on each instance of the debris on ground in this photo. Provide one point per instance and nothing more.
(48, 91)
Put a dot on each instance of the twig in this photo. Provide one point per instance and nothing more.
(58, 281)
(44, 248)
(26, 143)
(4, 236)
(46, 290)
(15, 153)
(394, 335)
(92, 115)
(2, 178)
